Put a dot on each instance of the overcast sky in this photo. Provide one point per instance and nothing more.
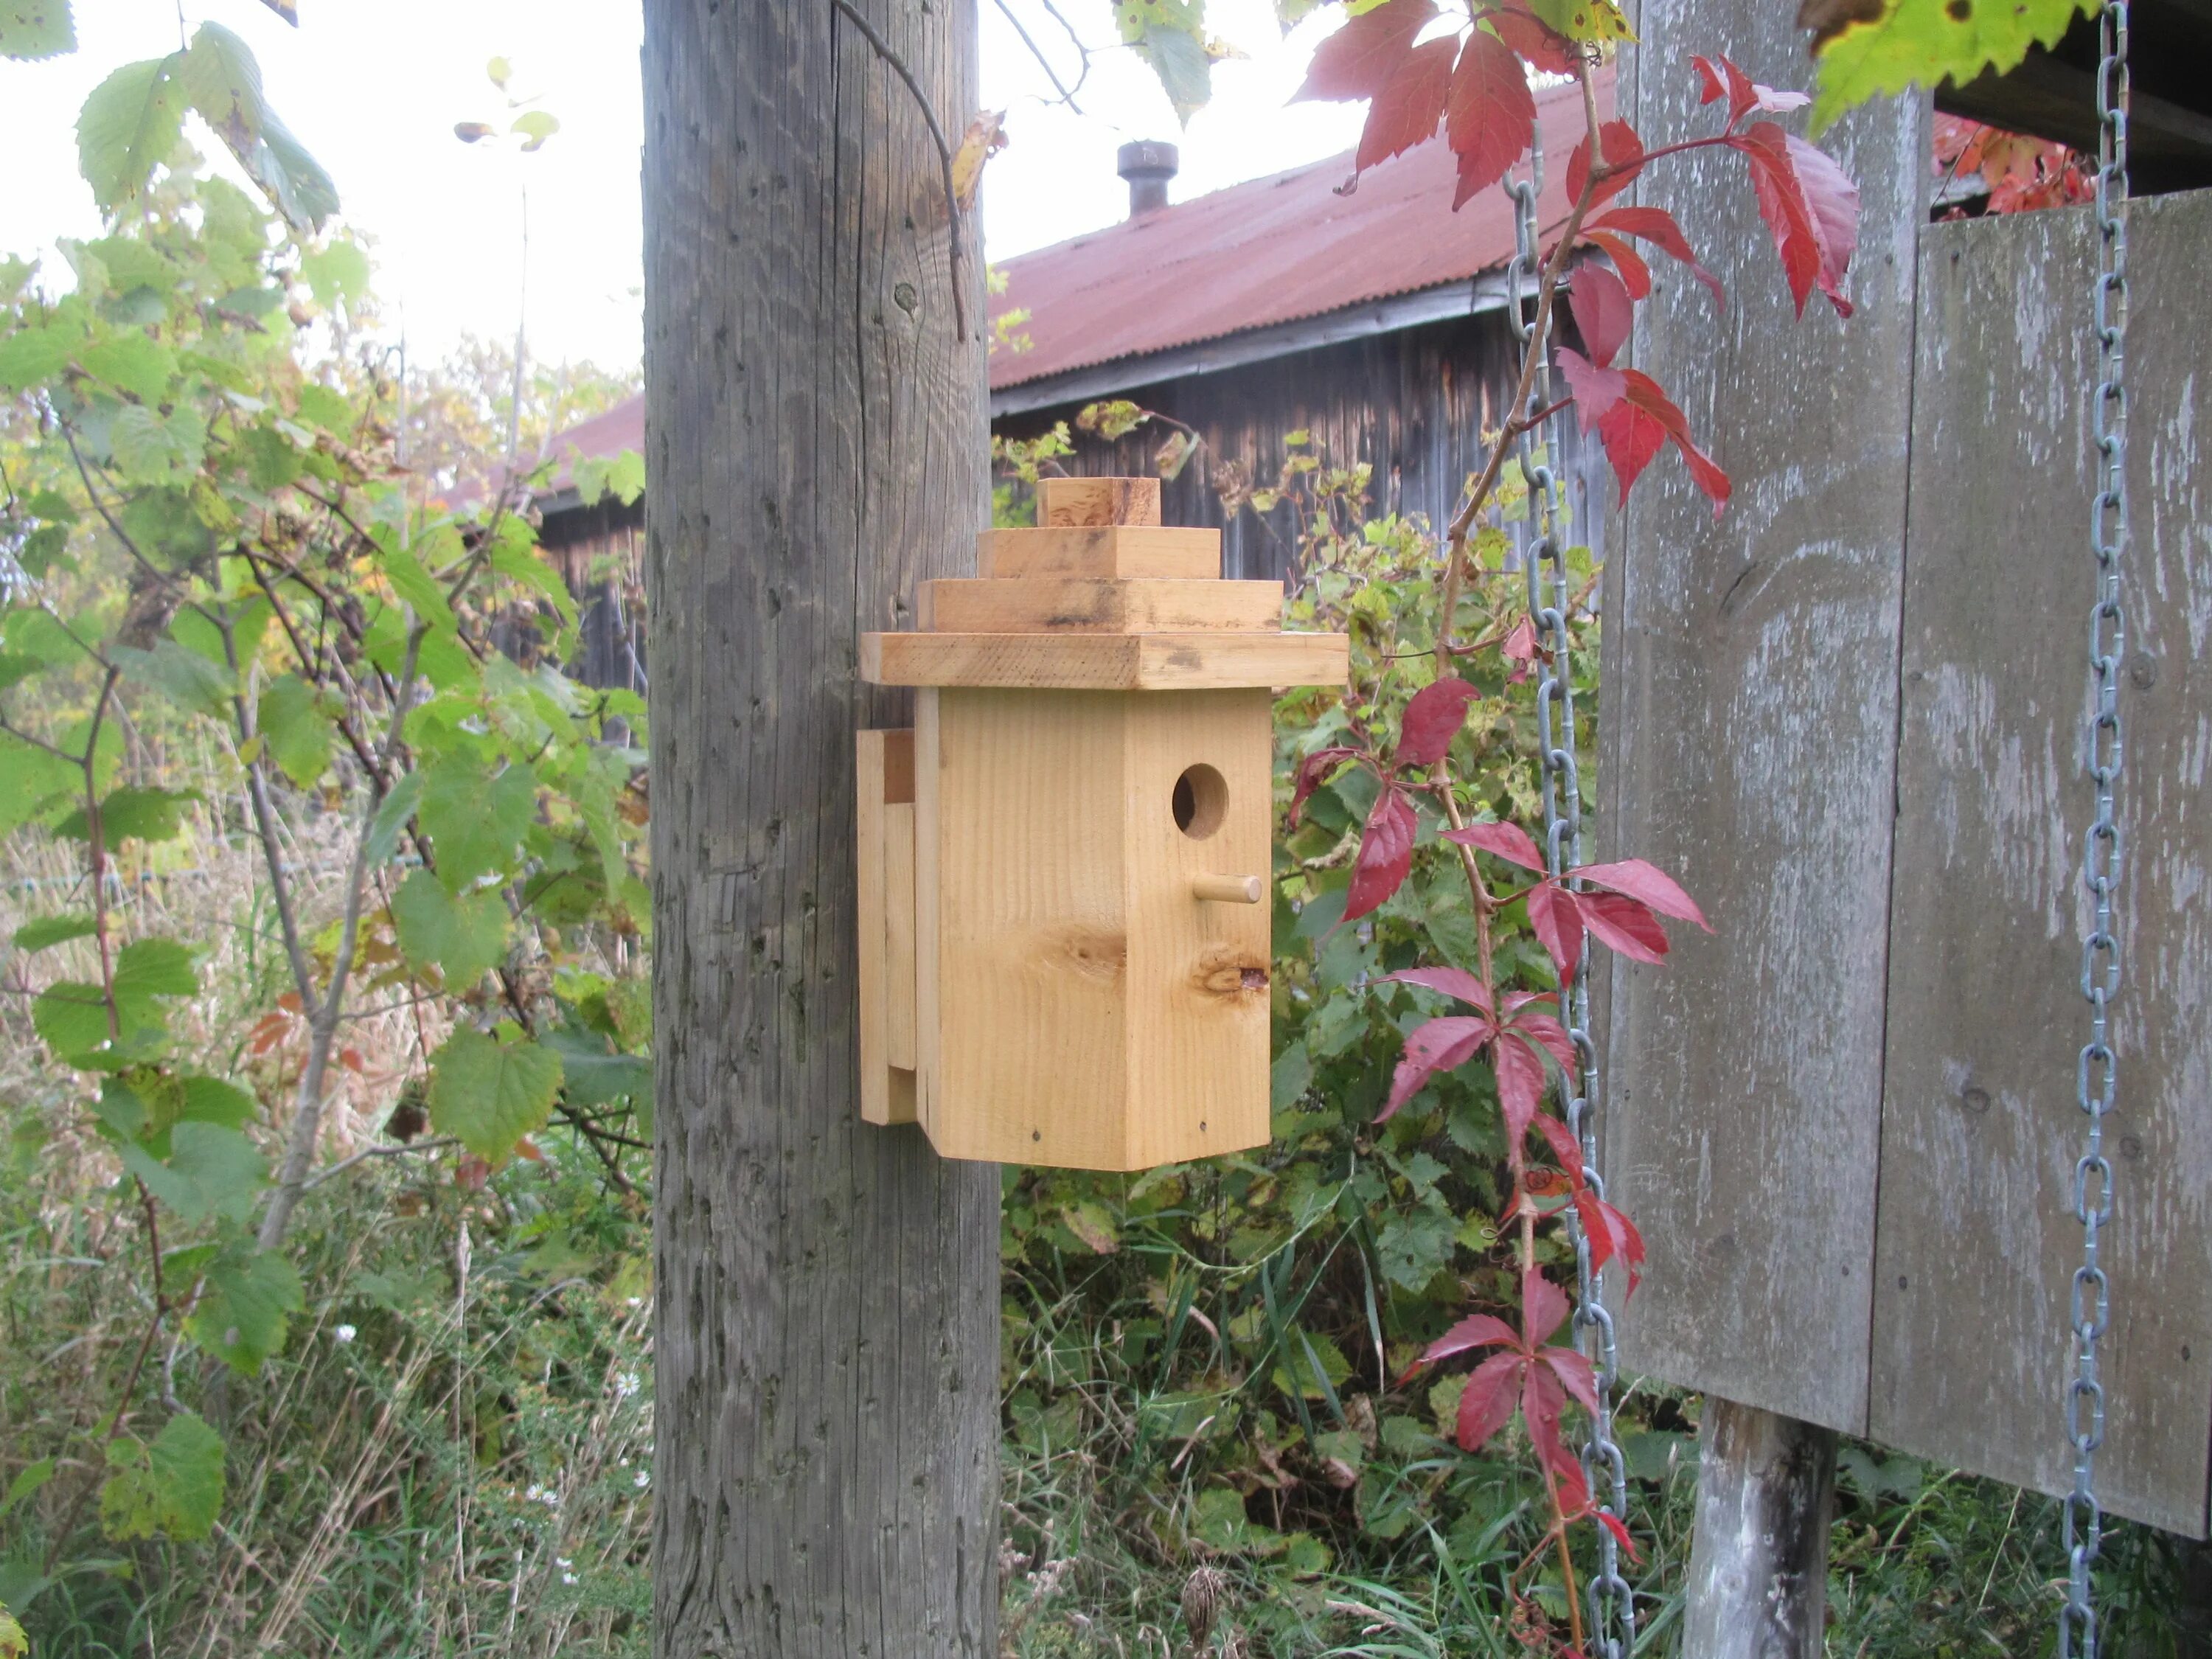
(374, 90)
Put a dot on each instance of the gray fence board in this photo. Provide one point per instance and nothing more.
(1751, 684)
(1977, 1237)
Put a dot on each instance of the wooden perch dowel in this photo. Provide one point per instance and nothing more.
(1230, 889)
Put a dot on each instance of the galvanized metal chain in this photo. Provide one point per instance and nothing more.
(2097, 1079)
(1612, 1602)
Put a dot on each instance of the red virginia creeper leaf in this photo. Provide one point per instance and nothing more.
(1452, 982)
(1439, 1045)
(1623, 152)
(1543, 1402)
(1544, 47)
(1611, 1234)
(1433, 719)
(1556, 918)
(1411, 104)
(1520, 645)
(1603, 312)
(1597, 393)
(1631, 435)
(1657, 227)
(1613, 1524)
(1475, 1331)
(1811, 208)
(1743, 97)
(1544, 1308)
(1635, 275)
(1359, 60)
(1640, 880)
(1643, 393)
(1492, 113)
(1561, 1139)
(1312, 773)
(1625, 924)
(1548, 1034)
(1486, 1405)
(1386, 851)
(1520, 1085)
(1576, 1374)
(1508, 841)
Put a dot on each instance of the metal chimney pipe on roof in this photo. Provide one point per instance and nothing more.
(1148, 166)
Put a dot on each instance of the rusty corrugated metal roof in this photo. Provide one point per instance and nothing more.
(1272, 251)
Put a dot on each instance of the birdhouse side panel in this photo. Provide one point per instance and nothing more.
(1199, 803)
(1030, 951)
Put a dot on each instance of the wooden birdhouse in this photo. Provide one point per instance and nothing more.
(1064, 864)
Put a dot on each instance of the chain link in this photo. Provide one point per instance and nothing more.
(2097, 1076)
(1612, 1602)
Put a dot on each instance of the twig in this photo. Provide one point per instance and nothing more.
(1067, 97)
(343, 1164)
(897, 65)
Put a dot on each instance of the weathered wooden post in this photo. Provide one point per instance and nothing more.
(1750, 748)
(826, 1470)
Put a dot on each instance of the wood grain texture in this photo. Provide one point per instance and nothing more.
(1098, 605)
(1187, 555)
(1081, 1006)
(1747, 748)
(825, 1480)
(1759, 1562)
(1977, 1240)
(1097, 500)
(1106, 662)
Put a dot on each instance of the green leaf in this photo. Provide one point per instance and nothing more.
(224, 83)
(128, 126)
(464, 936)
(31, 356)
(299, 727)
(247, 1298)
(474, 824)
(152, 447)
(211, 1170)
(135, 362)
(320, 406)
(26, 1482)
(1412, 1246)
(171, 1489)
(53, 930)
(1925, 42)
(31, 29)
(536, 125)
(132, 813)
(30, 778)
(593, 1074)
(489, 1094)
(1584, 20)
(415, 585)
(336, 274)
(522, 562)
(13, 1645)
(1093, 1224)
(391, 820)
(70, 1018)
(1169, 36)
(210, 1100)
(154, 967)
(183, 676)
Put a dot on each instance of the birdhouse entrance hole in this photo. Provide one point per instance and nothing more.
(1201, 801)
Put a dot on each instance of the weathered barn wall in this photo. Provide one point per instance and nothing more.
(1413, 403)
(600, 551)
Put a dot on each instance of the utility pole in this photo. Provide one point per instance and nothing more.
(826, 1467)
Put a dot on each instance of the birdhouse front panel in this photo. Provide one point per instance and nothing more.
(1088, 851)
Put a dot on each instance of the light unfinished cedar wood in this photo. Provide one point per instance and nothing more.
(1093, 604)
(1062, 502)
(1106, 551)
(1079, 1004)
(1106, 662)
(884, 854)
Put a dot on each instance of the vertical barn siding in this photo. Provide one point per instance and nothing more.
(1413, 404)
(600, 552)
